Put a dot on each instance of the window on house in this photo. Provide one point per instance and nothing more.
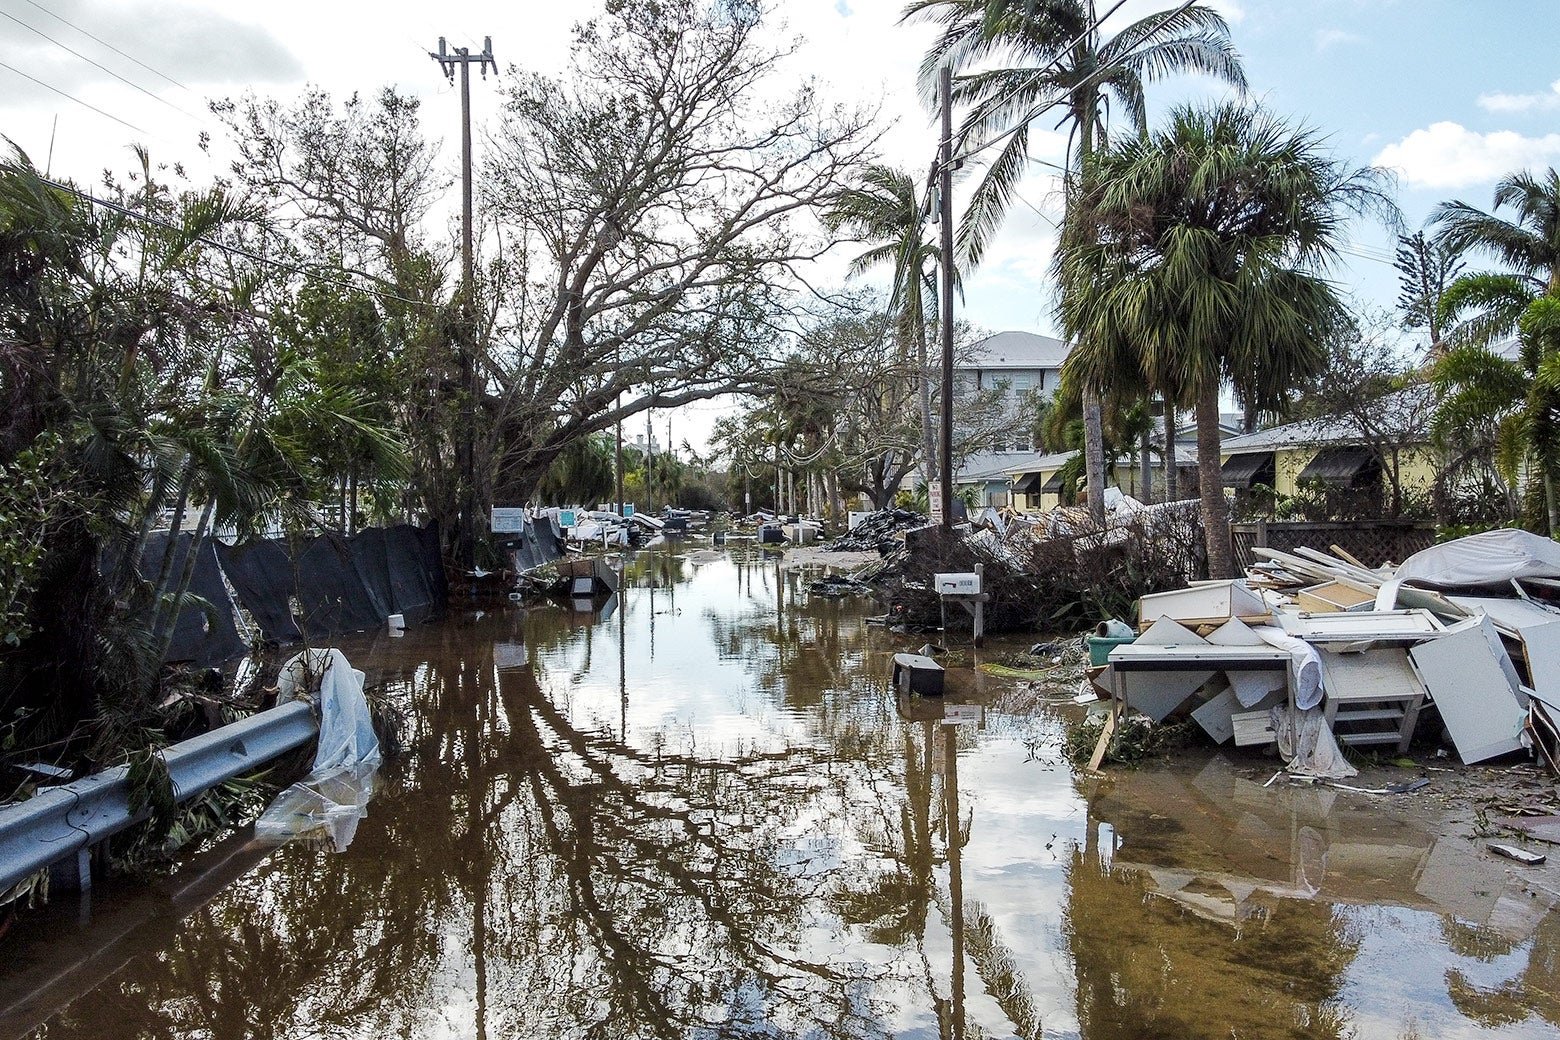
(1023, 384)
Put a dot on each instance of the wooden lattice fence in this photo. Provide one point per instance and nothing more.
(1372, 542)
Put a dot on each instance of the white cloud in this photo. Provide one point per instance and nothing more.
(1329, 38)
(1232, 11)
(1449, 155)
(1541, 102)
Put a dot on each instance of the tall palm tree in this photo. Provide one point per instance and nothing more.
(1202, 255)
(1522, 397)
(1036, 56)
(884, 210)
(1529, 245)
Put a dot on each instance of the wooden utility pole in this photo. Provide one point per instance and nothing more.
(945, 218)
(465, 449)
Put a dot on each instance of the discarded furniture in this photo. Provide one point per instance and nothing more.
(588, 576)
(1481, 707)
(1179, 670)
(1375, 694)
(1335, 596)
(1205, 603)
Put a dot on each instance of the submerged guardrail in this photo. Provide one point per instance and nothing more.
(60, 825)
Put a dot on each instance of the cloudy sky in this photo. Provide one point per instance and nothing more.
(1449, 93)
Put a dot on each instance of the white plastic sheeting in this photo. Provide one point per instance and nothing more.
(334, 797)
(1489, 558)
(1305, 669)
(1306, 742)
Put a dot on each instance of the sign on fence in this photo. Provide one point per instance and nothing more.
(508, 521)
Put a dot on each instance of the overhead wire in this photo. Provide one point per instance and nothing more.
(72, 97)
(99, 66)
(110, 46)
(248, 254)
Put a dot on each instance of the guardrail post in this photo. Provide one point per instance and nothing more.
(73, 873)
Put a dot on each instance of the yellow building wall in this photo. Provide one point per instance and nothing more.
(1417, 469)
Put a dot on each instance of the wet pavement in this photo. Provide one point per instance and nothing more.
(696, 811)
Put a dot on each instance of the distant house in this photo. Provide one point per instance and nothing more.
(1332, 455)
(1021, 363)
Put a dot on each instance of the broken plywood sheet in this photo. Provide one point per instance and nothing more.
(1334, 596)
(1209, 603)
(1216, 714)
(1477, 700)
(1157, 694)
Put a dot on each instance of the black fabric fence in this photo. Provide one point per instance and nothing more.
(205, 632)
(335, 585)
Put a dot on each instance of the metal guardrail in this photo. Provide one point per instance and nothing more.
(63, 823)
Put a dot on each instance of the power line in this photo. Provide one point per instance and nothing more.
(72, 97)
(105, 43)
(99, 66)
(1037, 112)
(1048, 66)
(248, 254)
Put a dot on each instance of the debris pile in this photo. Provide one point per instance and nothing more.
(882, 531)
(1052, 572)
(1312, 650)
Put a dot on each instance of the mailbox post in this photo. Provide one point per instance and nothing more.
(965, 588)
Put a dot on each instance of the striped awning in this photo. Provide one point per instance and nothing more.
(1248, 469)
(1345, 465)
(1028, 484)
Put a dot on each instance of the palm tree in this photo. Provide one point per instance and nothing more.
(1529, 245)
(886, 212)
(1201, 257)
(1036, 55)
(1520, 397)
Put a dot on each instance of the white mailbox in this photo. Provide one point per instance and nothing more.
(958, 583)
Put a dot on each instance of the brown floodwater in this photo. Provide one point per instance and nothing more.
(698, 812)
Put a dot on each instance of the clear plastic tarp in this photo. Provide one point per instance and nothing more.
(333, 798)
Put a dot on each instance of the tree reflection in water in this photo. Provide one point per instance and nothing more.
(703, 815)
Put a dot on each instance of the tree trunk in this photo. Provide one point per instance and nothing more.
(1094, 453)
(928, 438)
(1172, 492)
(1145, 456)
(1551, 506)
(1210, 487)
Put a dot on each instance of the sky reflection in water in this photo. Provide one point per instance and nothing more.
(698, 813)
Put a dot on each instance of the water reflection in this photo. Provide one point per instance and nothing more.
(702, 813)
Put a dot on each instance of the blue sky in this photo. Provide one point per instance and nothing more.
(1394, 82)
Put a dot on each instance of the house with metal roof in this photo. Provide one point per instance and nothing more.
(1333, 453)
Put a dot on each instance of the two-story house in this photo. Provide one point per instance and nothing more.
(1021, 365)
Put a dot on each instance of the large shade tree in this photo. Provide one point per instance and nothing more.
(1200, 250)
(1039, 64)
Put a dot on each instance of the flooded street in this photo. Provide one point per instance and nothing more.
(699, 812)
